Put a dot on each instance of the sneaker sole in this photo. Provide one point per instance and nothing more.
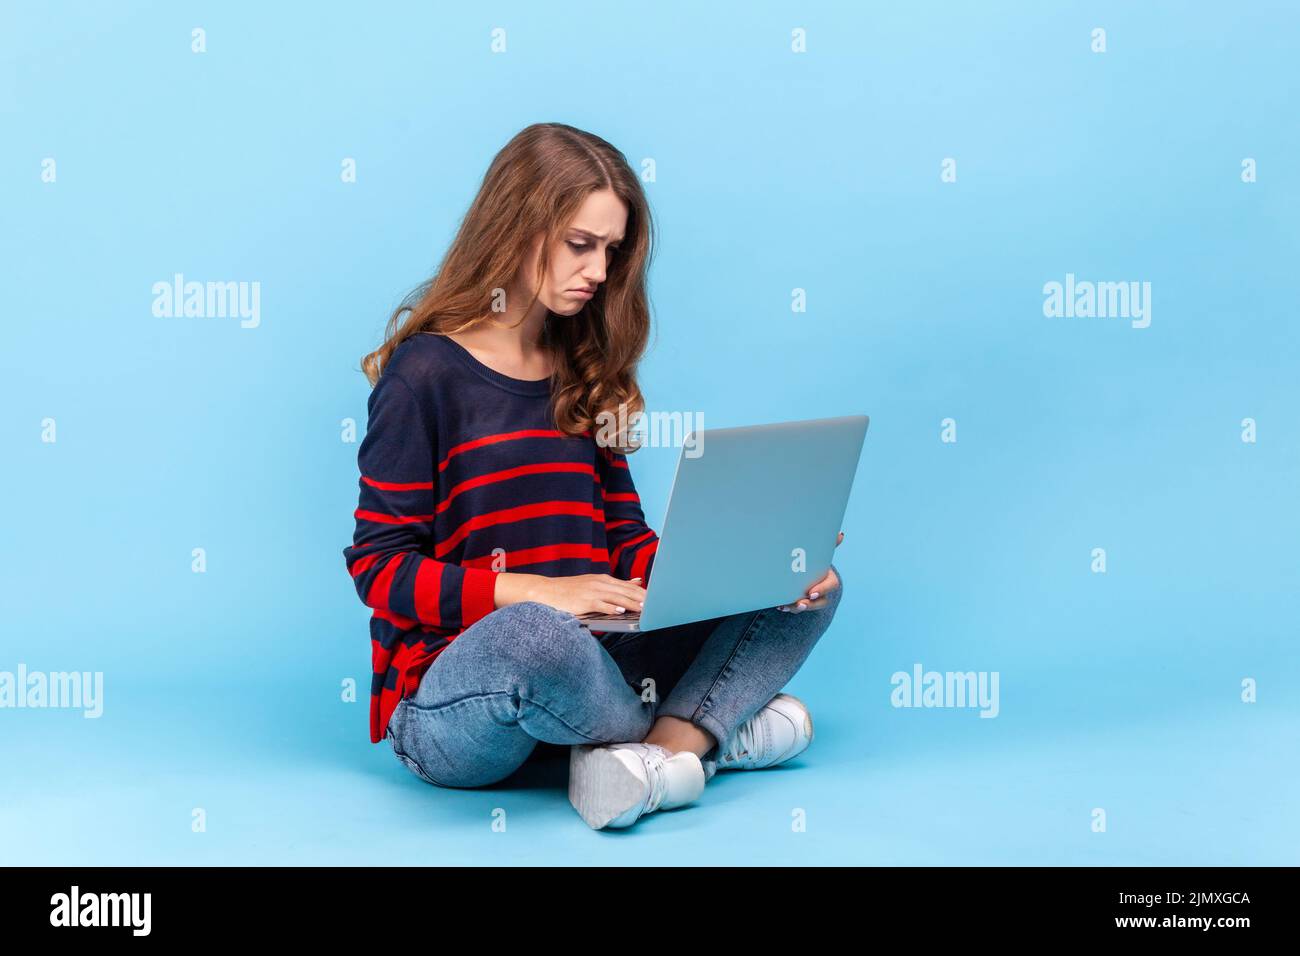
(601, 787)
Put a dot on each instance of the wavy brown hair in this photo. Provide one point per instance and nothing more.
(537, 182)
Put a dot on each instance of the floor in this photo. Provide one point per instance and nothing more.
(878, 786)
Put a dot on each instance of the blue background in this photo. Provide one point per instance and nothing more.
(775, 171)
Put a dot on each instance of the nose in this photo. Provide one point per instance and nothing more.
(594, 272)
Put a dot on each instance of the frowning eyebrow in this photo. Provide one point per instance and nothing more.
(592, 235)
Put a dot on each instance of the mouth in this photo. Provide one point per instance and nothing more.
(584, 293)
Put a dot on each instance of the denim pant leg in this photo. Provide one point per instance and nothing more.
(744, 663)
(525, 673)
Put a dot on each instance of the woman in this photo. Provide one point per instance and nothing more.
(490, 516)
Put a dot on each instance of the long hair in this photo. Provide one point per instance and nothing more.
(537, 182)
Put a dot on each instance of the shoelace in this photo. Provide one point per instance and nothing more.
(744, 742)
(658, 773)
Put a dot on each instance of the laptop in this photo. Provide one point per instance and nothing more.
(752, 521)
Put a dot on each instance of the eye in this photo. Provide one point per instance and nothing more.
(577, 246)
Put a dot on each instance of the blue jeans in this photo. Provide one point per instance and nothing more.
(529, 672)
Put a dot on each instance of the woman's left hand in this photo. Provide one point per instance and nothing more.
(815, 596)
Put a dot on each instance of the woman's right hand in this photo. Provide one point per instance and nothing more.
(577, 593)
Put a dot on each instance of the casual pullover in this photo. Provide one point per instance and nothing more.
(464, 475)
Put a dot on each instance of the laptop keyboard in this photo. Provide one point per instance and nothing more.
(602, 616)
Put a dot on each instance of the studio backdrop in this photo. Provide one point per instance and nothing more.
(1050, 249)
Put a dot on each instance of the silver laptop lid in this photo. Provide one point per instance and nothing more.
(743, 512)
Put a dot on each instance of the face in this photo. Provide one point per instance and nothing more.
(582, 257)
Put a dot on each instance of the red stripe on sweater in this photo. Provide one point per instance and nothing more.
(502, 436)
(527, 556)
(411, 661)
(477, 595)
(641, 560)
(542, 509)
(508, 473)
(378, 595)
(428, 592)
(364, 564)
(508, 436)
(617, 552)
(399, 621)
(398, 485)
(380, 518)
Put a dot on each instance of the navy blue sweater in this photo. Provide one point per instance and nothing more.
(463, 476)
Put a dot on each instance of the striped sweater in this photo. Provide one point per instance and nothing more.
(464, 475)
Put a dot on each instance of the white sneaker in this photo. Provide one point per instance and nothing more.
(616, 785)
(782, 729)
